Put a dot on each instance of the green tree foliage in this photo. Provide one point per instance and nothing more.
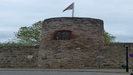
(14, 42)
(108, 38)
(26, 36)
(31, 34)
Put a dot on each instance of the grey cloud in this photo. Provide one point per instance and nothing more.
(117, 14)
(124, 38)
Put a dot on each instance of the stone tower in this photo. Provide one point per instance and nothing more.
(69, 42)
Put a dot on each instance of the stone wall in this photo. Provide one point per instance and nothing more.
(85, 43)
(115, 55)
(18, 57)
(27, 57)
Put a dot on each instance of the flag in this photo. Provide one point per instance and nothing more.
(70, 7)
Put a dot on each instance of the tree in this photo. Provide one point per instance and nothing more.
(14, 42)
(108, 38)
(31, 34)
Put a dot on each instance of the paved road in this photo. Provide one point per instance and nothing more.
(63, 72)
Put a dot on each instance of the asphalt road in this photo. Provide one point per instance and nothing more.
(63, 72)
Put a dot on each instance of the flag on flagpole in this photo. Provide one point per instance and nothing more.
(70, 7)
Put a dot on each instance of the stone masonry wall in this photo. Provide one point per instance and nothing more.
(27, 57)
(86, 42)
(18, 57)
(115, 55)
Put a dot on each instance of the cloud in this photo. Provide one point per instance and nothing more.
(5, 36)
(116, 14)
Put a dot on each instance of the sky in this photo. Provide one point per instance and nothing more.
(116, 14)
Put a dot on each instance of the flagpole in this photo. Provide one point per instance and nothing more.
(70, 7)
(73, 10)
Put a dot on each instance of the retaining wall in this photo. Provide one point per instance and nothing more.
(18, 57)
(115, 55)
(27, 57)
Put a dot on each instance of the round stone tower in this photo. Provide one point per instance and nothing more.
(71, 42)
